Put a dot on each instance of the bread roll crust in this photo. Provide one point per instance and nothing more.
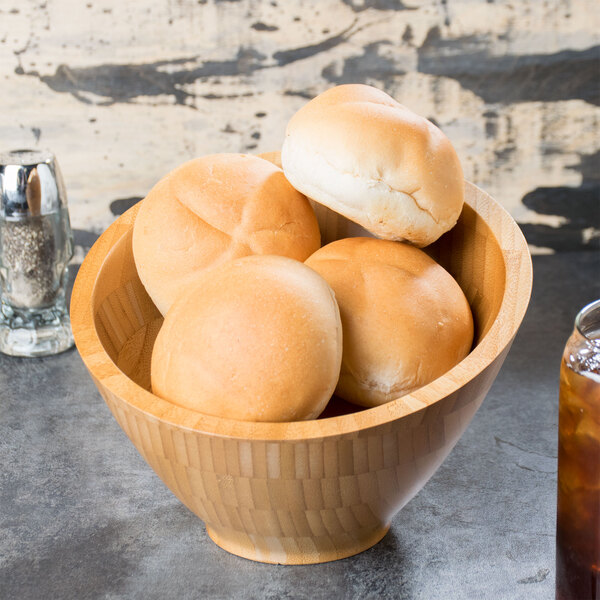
(214, 209)
(358, 151)
(405, 319)
(256, 339)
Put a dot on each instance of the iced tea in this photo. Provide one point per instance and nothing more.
(578, 516)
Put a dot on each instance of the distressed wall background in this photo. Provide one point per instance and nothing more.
(123, 92)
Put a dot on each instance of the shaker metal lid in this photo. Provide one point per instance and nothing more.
(30, 184)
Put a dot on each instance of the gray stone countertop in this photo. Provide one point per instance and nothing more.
(83, 516)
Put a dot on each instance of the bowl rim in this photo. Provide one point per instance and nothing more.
(109, 377)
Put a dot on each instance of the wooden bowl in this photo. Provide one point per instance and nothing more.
(311, 491)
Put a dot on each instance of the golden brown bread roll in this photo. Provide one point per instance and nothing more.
(214, 209)
(405, 319)
(256, 339)
(273, 157)
(356, 150)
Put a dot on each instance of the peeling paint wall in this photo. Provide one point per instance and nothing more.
(123, 92)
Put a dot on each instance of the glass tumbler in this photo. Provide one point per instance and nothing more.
(36, 245)
(578, 509)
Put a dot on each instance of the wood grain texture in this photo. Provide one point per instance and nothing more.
(311, 491)
(124, 92)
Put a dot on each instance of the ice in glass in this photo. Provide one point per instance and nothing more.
(578, 514)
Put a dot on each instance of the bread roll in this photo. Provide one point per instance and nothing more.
(273, 157)
(356, 150)
(214, 209)
(255, 339)
(405, 319)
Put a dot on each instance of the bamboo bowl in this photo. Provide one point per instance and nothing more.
(313, 491)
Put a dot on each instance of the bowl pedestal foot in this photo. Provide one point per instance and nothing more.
(294, 550)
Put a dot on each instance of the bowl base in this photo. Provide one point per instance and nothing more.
(294, 551)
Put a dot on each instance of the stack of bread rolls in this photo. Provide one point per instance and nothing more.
(261, 323)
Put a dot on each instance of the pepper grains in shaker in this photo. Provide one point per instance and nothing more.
(35, 248)
(28, 247)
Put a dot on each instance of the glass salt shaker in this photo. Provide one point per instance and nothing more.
(36, 244)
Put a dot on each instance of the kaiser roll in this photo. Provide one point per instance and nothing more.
(356, 150)
(405, 319)
(211, 210)
(274, 157)
(255, 339)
